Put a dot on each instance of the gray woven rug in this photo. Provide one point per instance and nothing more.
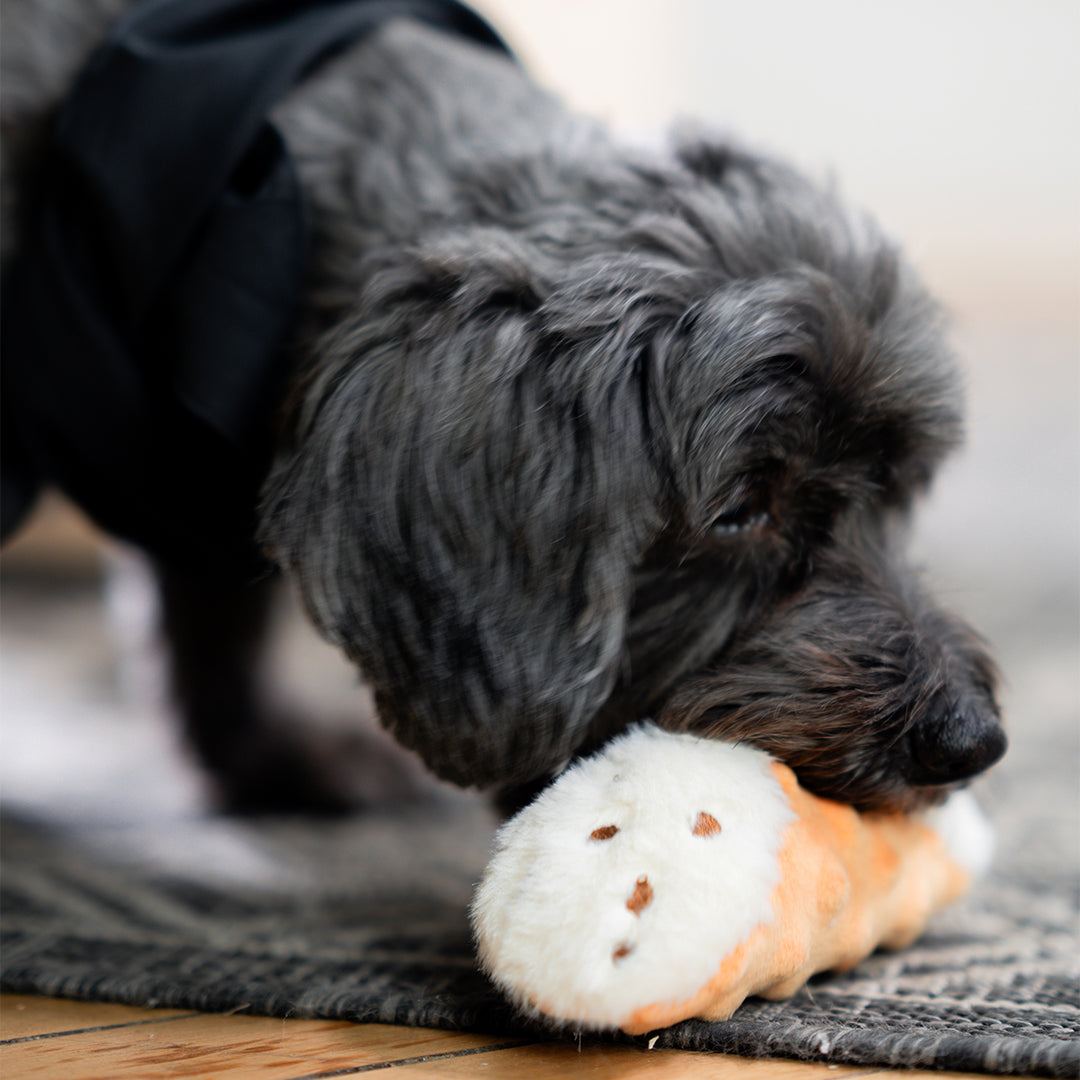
(365, 921)
(116, 886)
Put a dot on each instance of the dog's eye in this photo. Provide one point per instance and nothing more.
(744, 514)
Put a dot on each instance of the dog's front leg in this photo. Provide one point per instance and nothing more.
(259, 757)
(215, 632)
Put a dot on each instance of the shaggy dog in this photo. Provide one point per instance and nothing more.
(578, 434)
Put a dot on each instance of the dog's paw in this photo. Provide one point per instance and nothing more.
(290, 766)
(628, 880)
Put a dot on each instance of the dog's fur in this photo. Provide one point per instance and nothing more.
(582, 434)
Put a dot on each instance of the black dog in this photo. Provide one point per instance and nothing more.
(576, 435)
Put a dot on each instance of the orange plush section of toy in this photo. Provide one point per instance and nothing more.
(849, 884)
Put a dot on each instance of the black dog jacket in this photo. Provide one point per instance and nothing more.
(145, 317)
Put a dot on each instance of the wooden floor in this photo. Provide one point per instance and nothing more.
(43, 1037)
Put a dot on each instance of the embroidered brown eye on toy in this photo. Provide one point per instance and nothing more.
(670, 876)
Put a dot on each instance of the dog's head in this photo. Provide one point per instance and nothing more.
(639, 441)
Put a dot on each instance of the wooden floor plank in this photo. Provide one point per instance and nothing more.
(24, 1016)
(85, 1041)
(564, 1061)
(206, 1045)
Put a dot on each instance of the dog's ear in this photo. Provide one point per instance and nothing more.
(462, 506)
(816, 281)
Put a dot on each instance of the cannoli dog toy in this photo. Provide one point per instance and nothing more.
(671, 876)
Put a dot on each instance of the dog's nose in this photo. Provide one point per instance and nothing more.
(955, 746)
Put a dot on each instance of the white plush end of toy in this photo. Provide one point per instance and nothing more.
(966, 833)
(628, 880)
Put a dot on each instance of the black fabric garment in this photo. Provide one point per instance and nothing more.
(145, 315)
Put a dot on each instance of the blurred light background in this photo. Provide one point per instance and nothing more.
(955, 121)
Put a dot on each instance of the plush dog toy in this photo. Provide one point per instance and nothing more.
(671, 876)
